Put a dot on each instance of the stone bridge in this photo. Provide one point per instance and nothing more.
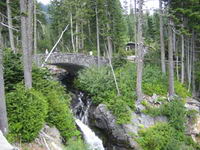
(70, 61)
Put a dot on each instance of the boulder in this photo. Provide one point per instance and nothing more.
(4, 145)
(193, 126)
(192, 104)
(49, 139)
(120, 137)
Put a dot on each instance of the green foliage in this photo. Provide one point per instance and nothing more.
(119, 107)
(13, 69)
(174, 110)
(27, 111)
(60, 116)
(119, 60)
(155, 82)
(163, 136)
(181, 90)
(151, 110)
(176, 113)
(157, 137)
(59, 113)
(192, 115)
(77, 144)
(99, 83)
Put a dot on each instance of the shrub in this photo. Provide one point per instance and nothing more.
(181, 90)
(176, 113)
(99, 83)
(157, 137)
(59, 115)
(76, 145)
(27, 110)
(163, 136)
(154, 81)
(59, 102)
(95, 81)
(192, 115)
(13, 69)
(119, 107)
(174, 110)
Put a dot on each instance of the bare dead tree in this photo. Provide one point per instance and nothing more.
(3, 112)
(26, 8)
(162, 45)
(10, 24)
(171, 61)
(140, 52)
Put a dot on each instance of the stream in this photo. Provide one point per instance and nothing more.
(81, 114)
(80, 108)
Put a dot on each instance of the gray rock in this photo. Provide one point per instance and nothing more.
(4, 145)
(192, 104)
(141, 120)
(120, 137)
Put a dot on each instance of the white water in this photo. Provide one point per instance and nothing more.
(81, 112)
(91, 139)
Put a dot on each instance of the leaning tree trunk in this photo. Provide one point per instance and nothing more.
(140, 52)
(3, 113)
(10, 24)
(171, 61)
(162, 45)
(26, 8)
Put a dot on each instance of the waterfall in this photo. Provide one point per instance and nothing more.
(81, 113)
(91, 139)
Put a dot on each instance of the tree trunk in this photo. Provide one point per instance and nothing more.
(176, 52)
(77, 35)
(193, 65)
(26, 7)
(35, 28)
(97, 28)
(190, 64)
(162, 45)
(113, 72)
(188, 61)
(10, 24)
(72, 33)
(171, 61)
(109, 42)
(82, 36)
(198, 91)
(3, 113)
(135, 26)
(182, 59)
(140, 52)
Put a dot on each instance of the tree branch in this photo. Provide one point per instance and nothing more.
(55, 45)
(5, 25)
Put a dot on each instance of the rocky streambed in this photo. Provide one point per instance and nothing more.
(122, 137)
